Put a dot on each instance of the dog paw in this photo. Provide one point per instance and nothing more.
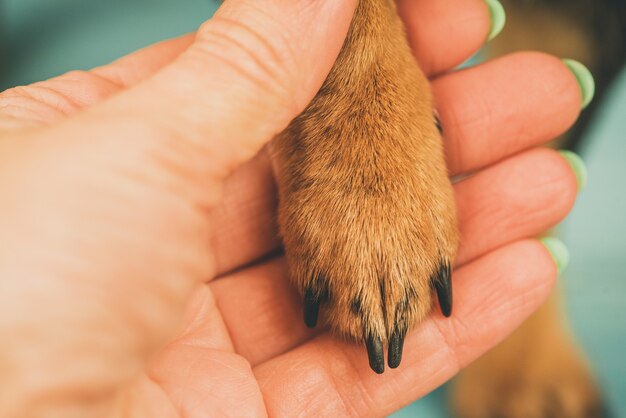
(369, 229)
(372, 262)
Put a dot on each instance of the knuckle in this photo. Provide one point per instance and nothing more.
(53, 98)
(265, 63)
(34, 103)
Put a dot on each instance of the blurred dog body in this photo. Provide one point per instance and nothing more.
(539, 372)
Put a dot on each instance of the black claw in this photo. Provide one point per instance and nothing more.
(375, 354)
(311, 308)
(438, 124)
(396, 343)
(443, 285)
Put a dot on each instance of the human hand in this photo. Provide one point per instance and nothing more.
(132, 204)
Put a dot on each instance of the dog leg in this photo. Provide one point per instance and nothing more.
(366, 208)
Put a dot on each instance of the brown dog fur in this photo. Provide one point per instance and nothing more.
(366, 210)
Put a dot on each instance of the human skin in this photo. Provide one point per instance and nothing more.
(136, 197)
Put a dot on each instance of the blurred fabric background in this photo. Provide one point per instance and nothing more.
(43, 38)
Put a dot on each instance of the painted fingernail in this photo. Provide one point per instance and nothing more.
(498, 18)
(558, 251)
(584, 78)
(578, 167)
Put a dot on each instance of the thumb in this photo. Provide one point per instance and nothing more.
(252, 68)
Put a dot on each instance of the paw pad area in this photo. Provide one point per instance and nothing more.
(362, 313)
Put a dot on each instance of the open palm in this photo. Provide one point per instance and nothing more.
(244, 349)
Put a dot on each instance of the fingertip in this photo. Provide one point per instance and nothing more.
(585, 81)
(515, 198)
(578, 166)
(558, 252)
(559, 171)
(496, 103)
(542, 276)
(554, 77)
(445, 33)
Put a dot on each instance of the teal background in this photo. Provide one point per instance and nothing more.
(43, 38)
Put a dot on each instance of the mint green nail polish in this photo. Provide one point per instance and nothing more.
(578, 166)
(584, 78)
(498, 18)
(558, 251)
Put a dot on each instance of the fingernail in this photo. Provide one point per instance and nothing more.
(584, 78)
(558, 251)
(578, 166)
(498, 18)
